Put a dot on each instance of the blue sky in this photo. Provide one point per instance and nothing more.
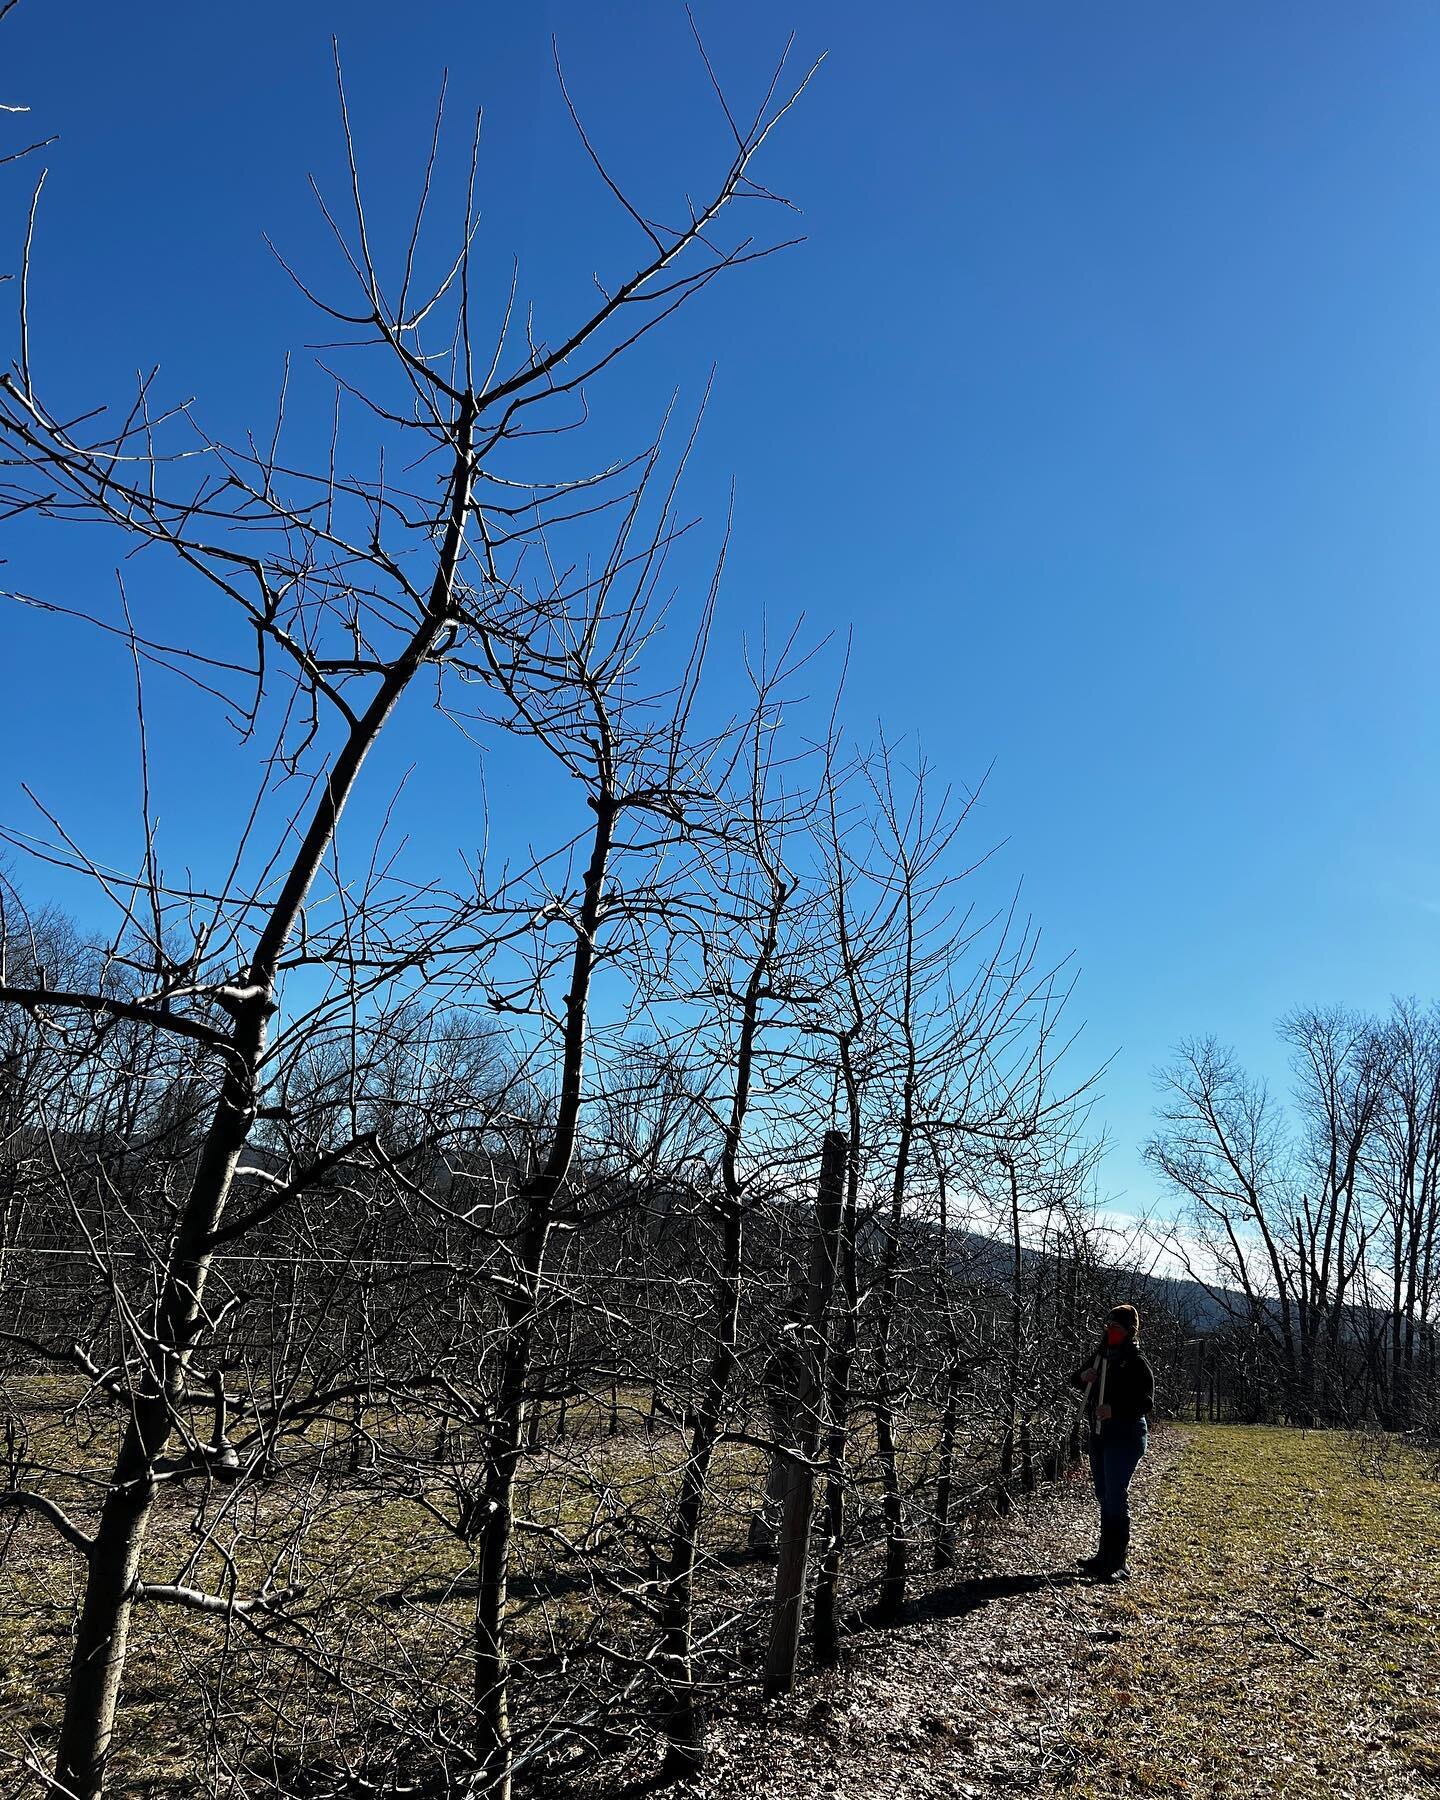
(1103, 400)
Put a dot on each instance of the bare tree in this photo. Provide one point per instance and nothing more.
(1280, 1214)
(349, 589)
(747, 993)
(1403, 1168)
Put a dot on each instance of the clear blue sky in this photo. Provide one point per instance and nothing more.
(1104, 400)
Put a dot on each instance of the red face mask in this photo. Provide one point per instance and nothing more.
(1115, 1334)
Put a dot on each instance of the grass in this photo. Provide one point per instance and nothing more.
(1281, 1637)
(196, 1689)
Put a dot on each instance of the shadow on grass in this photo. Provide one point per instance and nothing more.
(551, 1585)
(945, 1603)
(970, 1596)
(641, 1786)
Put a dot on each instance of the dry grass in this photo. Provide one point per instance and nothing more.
(1282, 1638)
(389, 1590)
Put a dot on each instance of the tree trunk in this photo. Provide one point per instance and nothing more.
(493, 1521)
(949, 1420)
(98, 1661)
(896, 1570)
(784, 1650)
(1013, 1427)
(838, 1377)
(97, 1664)
(685, 1724)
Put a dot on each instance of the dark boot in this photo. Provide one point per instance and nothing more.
(1099, 1565)
(1115, 1545)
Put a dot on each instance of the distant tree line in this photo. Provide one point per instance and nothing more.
(1315, 1226)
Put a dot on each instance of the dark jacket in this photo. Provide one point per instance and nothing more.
(1129, 1384)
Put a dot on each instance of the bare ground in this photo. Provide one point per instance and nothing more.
(980, 1690)
(1280, 1638)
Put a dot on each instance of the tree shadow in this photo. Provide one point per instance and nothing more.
(970, 1596)
(551, 1585)
(639, 1787)
(743, 1557)
(944, 1603)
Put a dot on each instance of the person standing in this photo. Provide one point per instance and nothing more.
(1119, 1398)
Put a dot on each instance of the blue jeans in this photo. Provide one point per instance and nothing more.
(1114, 1456)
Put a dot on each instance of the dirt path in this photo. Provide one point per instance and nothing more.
(977, 1692)
(1281, 1637)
